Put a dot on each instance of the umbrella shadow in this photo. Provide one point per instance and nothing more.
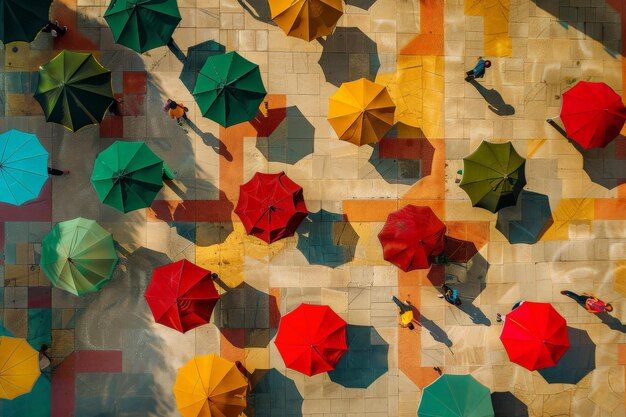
(195, 59)
(349, 54)
(494, 100)
(470, 280)
(290, 141)
(361, 4)
(211, 140)
(437, 333)
(460, 251)
(527, 220)
(326, 238)
(273, 395)
(505, 404)
(605, 166)
(576, 363)
(365, 361)
(258, 9)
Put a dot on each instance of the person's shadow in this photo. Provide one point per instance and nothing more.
(494, 100)
(211, 140)
(613, 322)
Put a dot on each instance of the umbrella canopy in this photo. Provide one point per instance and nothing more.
(78, 256)
(493, 176)
(74, 90)
(229, 89)
(210, 386)
(593, 114)
(19, 367)
(456, 396)
(311, 339)
(411, 237)
(535, 335)
(306, 19)
(181, 295)
(142, 25)
(127, 176)
(271, 206)
(361, 112)
(23, 167)
(22, 21)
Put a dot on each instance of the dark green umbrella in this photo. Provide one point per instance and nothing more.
(493, 176)
(455, 396)
(22, 20)
(142, 25)
(74, 90)
(229, 89)
(128, 175)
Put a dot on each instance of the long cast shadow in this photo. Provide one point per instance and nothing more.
(273, 395)
(258, 9)
(527, 220)
(505, 404)
(612, 322)
(576, 363)
(435, 331)
(605, 166)
(470, 280)
(494, 100)
(211, 140)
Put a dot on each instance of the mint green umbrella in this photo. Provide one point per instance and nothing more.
(455, 396)
(229, 89)
(74, 90)
(22, 20)
(128, 175)
(78, 256)
(493, 176)
(142, 25)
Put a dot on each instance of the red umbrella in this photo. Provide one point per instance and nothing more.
(411, 237)
(181, 295)
(535, 335)
(271, 206)
(311, 339)
(593, 114)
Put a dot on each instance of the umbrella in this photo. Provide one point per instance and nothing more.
(311, 339)
(128, 175)
(210, 386)
(78, 256)
(306, 19)
(23, 167)
(411, 237)
(361, 112)
(593, 114)
(455, 396)
(142, 25)
(22, 21)
(181, 295)
(74, 90)
(535, 335)
(493, 176)
(271, 206)
(19, 367)
(229, 89)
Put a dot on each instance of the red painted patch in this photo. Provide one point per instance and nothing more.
(39, 297)
(112, 127)
(1, 243)
(133, 105)
(266, 124)
(191, 210)
(274, 310)
(98, 361)
(39, 209)
(135, 82)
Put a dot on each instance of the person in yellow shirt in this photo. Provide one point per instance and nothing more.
(407, 319)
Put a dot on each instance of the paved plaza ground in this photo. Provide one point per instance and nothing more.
(111, 359)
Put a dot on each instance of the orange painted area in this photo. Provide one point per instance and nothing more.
(432, 186)
(496, 14)
(430, 39)
(609, 208)
(476, 232)
(228, 350)
(368, 210)
(65, 12)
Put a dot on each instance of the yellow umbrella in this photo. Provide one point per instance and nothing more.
(210, 386)
(19, 367)
(306, 19)
(361, 112)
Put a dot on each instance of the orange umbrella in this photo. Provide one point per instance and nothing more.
(306, 19)
(19, 367)
(361, 112)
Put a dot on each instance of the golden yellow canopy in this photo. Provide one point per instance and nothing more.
(306, 19)
(19, 367)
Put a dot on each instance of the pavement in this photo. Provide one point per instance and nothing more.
(110, 358)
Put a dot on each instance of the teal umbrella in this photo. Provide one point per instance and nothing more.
(455, 396)
(23, 167)
(22, 20)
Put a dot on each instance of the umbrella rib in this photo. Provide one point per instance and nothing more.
(8, 158)
(9, 357)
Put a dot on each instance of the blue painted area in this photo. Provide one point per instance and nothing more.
(39, 327)
(275, 396)
(318, 243)
(18, 82)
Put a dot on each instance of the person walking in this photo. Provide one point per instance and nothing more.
(591, 303)
(54, 29)
(500, 318)
(44, 359)
(407, 318)
(57, 172)
(451, 295)
(479, 69)
(177, 111)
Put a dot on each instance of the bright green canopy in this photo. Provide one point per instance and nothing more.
(22, 20)
(142, 25)
(455, 396)
(128, 175)
(229, 89)
(74, 90)
(493, 176)
(78, 256)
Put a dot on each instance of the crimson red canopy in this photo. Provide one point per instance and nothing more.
(181, 295)
(593, 114)
(311, 339)
(271, 206)
(411, 237)
(535, 335)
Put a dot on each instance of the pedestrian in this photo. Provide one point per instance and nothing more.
(57, 172)
(438, 370)
(500, 318)
(177, 111)
(592, 303)
(114, 108)
(54, 29)
(451, 295)
(44, 359)
(479, 69)
(407, 318)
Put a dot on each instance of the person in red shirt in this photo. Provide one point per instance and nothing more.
(591, 303)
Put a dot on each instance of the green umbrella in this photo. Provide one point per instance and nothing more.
(74, 90)
(142, 25)
(78, 256)
(493, 176)
(229, 89)
(128, 175)
(23, 20)
(456, 396)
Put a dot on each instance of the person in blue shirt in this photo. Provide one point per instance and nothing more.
(450, 295)
(479, 70)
